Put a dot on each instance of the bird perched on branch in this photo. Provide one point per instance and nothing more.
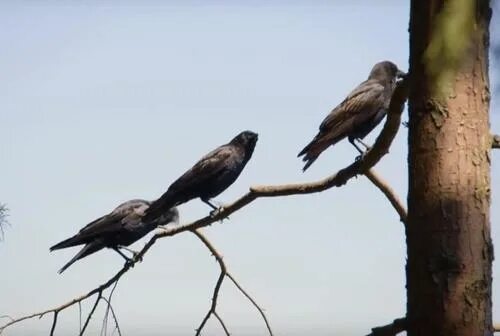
(210, 176)
(120, 228)
(362, 110)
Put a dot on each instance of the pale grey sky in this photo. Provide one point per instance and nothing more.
(103, 102)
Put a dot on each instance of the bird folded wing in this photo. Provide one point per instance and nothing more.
(356, 108)
(210, 165)
(116, 219)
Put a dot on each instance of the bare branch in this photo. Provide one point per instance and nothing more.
(78, 300)
(223, 271)
(397, 326)
(99, 296)
(110, 308)
(54, 322)
(80, 316)
(495, 141)
(221, 323)
(261, 311)
(389, 193)
(368, 160)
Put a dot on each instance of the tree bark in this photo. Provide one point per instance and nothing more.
(450, 252)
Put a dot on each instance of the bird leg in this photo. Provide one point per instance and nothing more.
(206, 201)
(134, 253)
(216, 210)
(351, 140)
(361, 152)
(117, 250)
(365, 145)
(128, 261)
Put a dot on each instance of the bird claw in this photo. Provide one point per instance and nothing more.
(136, 257)
(129, 263)
(360, 157)
(217, 212)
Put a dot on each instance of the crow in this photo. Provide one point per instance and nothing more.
(362, 110)
(209, 177)
(122, 227)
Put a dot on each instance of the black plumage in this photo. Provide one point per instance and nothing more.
(362, 110)
(122, 227)
(210, 176)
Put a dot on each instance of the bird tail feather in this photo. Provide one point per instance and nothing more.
(313, 150)
(309, 162)
(73, 241)
(85, 251)
(305, 149)
(161, 205)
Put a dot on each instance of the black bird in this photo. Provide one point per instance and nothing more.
(210, 176)
(362, 110)
(122, 227)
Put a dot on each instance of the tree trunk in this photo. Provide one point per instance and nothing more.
(450, 251)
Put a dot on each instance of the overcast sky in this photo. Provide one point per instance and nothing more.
(101, 103)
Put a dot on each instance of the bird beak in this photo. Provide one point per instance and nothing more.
(400, 74)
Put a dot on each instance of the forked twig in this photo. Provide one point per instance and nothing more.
(224, 272)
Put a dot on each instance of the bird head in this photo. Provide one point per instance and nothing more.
(386, 70)
(246, 139)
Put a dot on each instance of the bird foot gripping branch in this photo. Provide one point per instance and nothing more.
(130, 262)
(136, 257)
(217, 212)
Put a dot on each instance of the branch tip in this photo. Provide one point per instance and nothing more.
(397, 326)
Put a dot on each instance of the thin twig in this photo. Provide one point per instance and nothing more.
(99, 296)
(261, 311)
(80, 314)
(111, 307)
(392, 329)
(54, 322)
(221, 323)
(389, 193)
(97, 290)
(223, 271)
(113, 314)
(104, 327)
